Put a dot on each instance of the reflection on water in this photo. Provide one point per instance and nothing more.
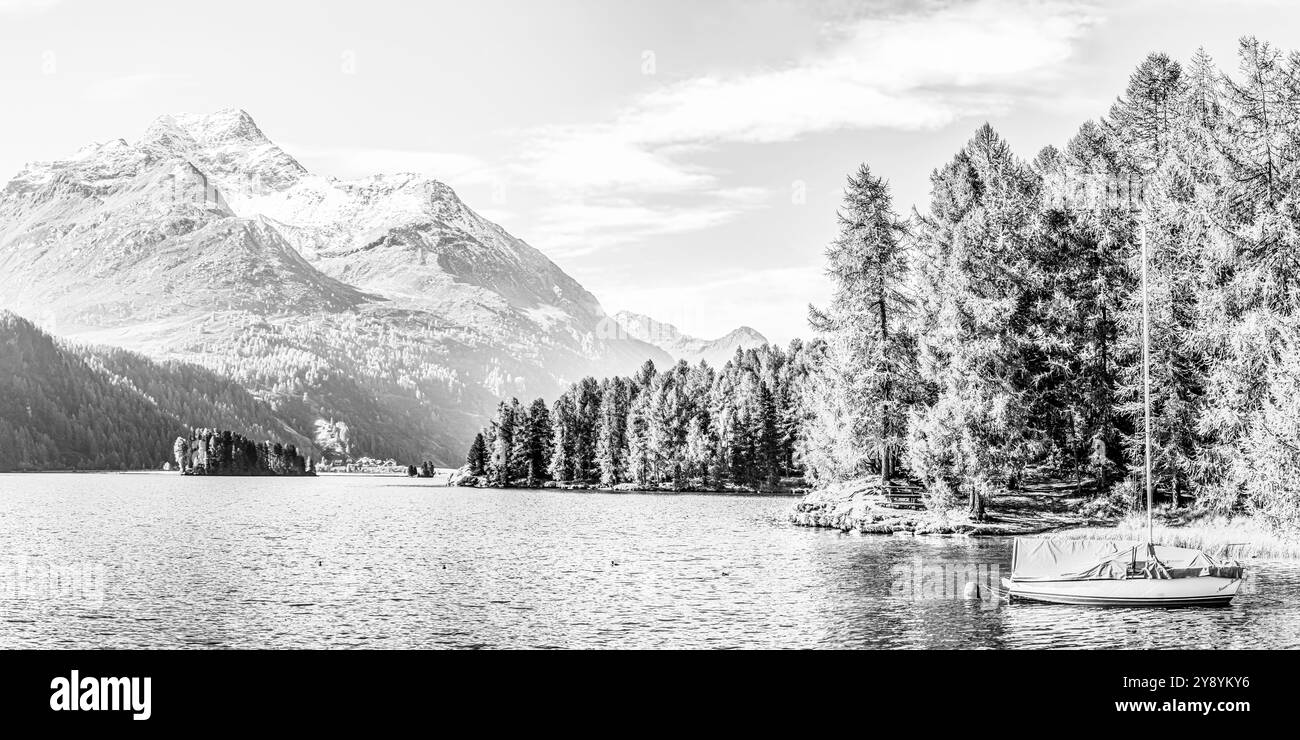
(150, 560)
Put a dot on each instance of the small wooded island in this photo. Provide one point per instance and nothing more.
(222, 452)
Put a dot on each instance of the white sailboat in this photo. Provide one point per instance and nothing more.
(1102, 573)
(1108, 573)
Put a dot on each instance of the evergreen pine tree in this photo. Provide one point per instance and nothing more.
(537, 444)
(476, 459)
(611, 443)
(768, 437)
(868, 265)
(563, 439)
(640, 462)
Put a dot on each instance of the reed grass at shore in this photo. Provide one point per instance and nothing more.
(1046, 509)
(1236, 537)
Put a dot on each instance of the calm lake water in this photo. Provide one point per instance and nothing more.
(155, 560)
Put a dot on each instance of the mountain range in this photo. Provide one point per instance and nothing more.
(385, 302)
(681, 346)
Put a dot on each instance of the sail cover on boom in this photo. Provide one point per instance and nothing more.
(1047, 559)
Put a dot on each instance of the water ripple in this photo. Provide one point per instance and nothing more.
(155, 561)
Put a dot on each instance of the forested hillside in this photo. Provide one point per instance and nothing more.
(1001, 329)
(64, 406)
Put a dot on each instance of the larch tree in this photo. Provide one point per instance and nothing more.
(1270, 464)
(1143, 123)
(1144, 117)
(611, 442)
(1079, 302)
(1258, 273)
(586, 424)
(639, 465)
(976, 269)
(868, 265)
(563, 439)
(505, 426)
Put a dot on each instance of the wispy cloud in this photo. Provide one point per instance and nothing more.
(919, 68)
(582, 225)
(911, 70)
(138, 85)
(26, 6)
(603, 157)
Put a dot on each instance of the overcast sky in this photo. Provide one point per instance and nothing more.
(680, 159)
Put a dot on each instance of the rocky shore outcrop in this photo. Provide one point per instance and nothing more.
(859, 506)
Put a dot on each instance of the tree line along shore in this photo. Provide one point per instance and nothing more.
(686, 428)
(992, 342)
(222, 452)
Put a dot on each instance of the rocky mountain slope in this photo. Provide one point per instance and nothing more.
(386, 302)
(683, 346)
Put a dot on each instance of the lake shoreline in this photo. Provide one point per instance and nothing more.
(355, 561)
(857, 506)
(624, 488)
(446, 478)
(462, 478)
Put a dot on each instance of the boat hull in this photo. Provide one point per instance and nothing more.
(1133, 592)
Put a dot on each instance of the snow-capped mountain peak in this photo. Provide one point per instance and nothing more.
(685, 347)
(745, 336)
(228, 146)
(385, 300)
(220, 127)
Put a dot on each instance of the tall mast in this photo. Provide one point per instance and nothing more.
(1146, 369)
